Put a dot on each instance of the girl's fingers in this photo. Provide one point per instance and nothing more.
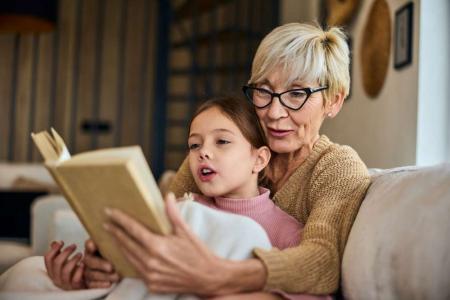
(77, 279)
(94, 262)
(93, 275)
(61, 259)
(49, 257)
(68, 268)
(90, 246)
(98, 284)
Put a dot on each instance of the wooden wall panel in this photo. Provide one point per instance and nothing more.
(97, 66)
(110, 71)
(147, 80)
(84, 96)
(133, 49)
(23, 97)
(68, 47)
(7, 57)
(43, 89)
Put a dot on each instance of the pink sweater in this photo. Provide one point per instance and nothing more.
(283, 230)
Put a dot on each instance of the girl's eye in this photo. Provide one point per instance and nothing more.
(193, 146)
(222, 142)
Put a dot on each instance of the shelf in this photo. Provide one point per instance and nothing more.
(189, 7)
(221, 36)
(209, 70)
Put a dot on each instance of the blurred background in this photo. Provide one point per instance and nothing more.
(107, 73)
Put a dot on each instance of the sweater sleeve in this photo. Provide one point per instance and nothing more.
(183, 181)
(338, 185)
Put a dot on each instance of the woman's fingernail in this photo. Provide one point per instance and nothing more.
(108, 211)
(106, 226)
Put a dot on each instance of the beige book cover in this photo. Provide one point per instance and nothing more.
(116, 177)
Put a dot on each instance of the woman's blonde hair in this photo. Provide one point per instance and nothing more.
(308, 53)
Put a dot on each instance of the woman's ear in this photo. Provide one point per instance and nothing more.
(335, 105)
(262, 159)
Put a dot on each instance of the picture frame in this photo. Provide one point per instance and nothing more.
(350, 67)
(403, 35)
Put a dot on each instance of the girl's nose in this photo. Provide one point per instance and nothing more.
(205, 154)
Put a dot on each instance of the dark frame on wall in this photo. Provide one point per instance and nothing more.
(403, 38)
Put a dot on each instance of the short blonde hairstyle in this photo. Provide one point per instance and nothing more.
(307, 53)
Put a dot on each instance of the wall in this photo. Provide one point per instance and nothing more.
(97, 65)
(386, 131)
(433, 133)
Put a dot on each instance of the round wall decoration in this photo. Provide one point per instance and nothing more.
(340, 12)
(375, 48)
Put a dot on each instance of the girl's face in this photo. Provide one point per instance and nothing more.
(221, 159)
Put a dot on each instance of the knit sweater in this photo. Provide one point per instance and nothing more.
(324, 193)
(283, 230)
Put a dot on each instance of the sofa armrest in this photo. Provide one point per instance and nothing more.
(68, 228)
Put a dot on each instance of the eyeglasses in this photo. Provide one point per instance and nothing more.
(292, 99)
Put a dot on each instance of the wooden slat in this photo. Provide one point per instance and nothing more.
(43, 87)
(110, 69)
(85, 94)
(67, 25)
(6, 73)
(146, 137)
(130, 124)
(23, 95)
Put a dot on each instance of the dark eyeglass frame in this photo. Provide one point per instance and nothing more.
(309, 91)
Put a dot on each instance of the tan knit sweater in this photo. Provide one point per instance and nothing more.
(324, 193)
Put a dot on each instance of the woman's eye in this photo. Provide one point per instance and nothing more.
(222, 142)
(193, 146)
(297, 94)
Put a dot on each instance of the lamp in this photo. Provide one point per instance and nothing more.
(26, 16)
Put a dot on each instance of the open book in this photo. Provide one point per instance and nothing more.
(90, 181)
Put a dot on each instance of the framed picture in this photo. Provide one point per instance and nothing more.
(403, 38)
(350, 67)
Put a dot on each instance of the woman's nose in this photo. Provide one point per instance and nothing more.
(276, 110)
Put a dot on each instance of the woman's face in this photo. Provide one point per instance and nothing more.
(289, 130)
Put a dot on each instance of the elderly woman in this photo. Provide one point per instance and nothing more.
(300, 77)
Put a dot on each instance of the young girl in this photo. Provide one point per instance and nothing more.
(227, 155)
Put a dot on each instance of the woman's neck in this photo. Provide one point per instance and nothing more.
(283, 165)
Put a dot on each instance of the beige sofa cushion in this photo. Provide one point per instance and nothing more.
(399, 246)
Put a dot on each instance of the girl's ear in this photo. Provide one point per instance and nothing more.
(262, 159)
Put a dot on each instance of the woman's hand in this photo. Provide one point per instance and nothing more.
(177, 263)
(65, 273)
(99, 273)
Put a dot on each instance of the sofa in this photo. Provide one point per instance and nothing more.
(398, 248)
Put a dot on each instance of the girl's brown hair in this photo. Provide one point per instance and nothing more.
(242, 113)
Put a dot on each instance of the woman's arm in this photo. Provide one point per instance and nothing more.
(180, 262)
(333, 195)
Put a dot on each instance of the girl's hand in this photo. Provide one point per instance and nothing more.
(65, 273)
(99, 273)
(177, 263)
